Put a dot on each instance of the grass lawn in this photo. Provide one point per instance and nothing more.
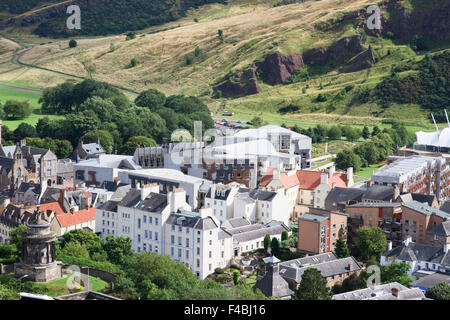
(322, 163)
(32, 98)
(59, 287)
(367, 172)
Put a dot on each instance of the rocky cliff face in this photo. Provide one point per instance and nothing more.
(241, 83)
(277, 69)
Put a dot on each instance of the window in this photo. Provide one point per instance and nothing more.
(187, 242)
(179, 253)
(172, 251)
(172, 239)
(198, 251)
(173, 227)
(179, 241)
(156, 221)
(156, 236)
(198, 263)
(210, 254)
(145, 220)
(150, 220)
(198, 240)
(180, 228)
(139, 238)
(187, 254)
(139, 223)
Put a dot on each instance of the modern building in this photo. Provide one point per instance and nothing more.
(417, 174)
(318, 231)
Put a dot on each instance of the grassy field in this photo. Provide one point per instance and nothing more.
(59, 287)
(367, 172)
(32, 98)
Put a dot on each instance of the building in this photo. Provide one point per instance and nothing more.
(40, 163)
(12, 170)
(419, 256)
(272, 284)
(314, 186)
(220, 198)
(260, 206)
(419, 219)
(416, 174)
(388, 291)
(318, 231)
(28, 193)
(385, 215)
(334, 270)
(429, 199)
(87, 151)
(428, 281)
(339, 198)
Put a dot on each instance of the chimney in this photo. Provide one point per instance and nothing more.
(276, 174)
(205, 212)
(331, 171)
(395, 292)
(76, 187)
(149, 188)
(23, 142)
(176, 199)
(324, 178)
(62, 196)
(396, 192)
(72, 211)
(407, 241)
(213, 191)
(389, 246)
(446, 247)
(350, 181)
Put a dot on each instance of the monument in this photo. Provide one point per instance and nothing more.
(38, 251)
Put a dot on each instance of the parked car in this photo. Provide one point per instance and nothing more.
(224, 120)
(249, 122)
(239, 121)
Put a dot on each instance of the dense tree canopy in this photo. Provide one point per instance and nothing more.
(313, 286)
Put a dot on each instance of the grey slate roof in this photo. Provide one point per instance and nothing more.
(345, 194)
(432, 279)
(219, 195)
(235, 222)
(132, 198)
(191, 220)
(273, 285)
(259, 233)
(110, 205)
(93, 148)
(426, 209)
(375, 205)
(313, 217)
(442, 229)
(419, 252)
(293, 270)
(379, 192)
(35, 187)
(445, 207)
(262, 195)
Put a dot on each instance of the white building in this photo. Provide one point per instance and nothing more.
(260, 206)
(220, 199)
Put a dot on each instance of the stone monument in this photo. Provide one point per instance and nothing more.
(38, 251)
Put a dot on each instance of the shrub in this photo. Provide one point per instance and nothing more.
(218, 271)
(72, 43)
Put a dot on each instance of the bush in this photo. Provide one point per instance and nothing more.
(72, 43)
(218, 271)
(321, 98)
(131, 35)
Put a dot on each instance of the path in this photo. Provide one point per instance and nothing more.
(20, 89)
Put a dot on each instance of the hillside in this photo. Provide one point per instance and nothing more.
(187, 57)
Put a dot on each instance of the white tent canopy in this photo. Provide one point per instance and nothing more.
(439, 138)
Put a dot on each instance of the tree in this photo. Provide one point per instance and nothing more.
(16, 110)
(275, 246)
(396, 272)
(366, 133)
(372, 242)
(284, 235)
(266, 242)
(335, 133)
(341, 249)
(152, 99)
(133, 63)
(137, 142)
(236, 276)
(220, 35)
(375, 131)
(257, 121)
(75, 249)
(25, 130)
(440, 291)
(89, 240)
(72, 43)
(8, 294)
(346, 159)
(313, 286)
(15, 236)
(118, 249)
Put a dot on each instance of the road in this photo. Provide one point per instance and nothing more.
(20, 89)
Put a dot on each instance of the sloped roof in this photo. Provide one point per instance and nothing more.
(379, 192)
(262, 195)
(93, 148)
(442, 229)
(288, 181)
(52, 206)
(425, 209)
(236, 222)
(77, 217)
(308, 180)
(417, 252)
(345, 194)
(273, 285)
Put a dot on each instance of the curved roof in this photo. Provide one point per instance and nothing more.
(261, 132)
(439, 138)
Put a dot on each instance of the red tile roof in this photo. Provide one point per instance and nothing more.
(288, 181)
(78, 217)
(309, 180)
(53, 206)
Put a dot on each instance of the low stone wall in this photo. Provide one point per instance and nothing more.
(101, 274)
